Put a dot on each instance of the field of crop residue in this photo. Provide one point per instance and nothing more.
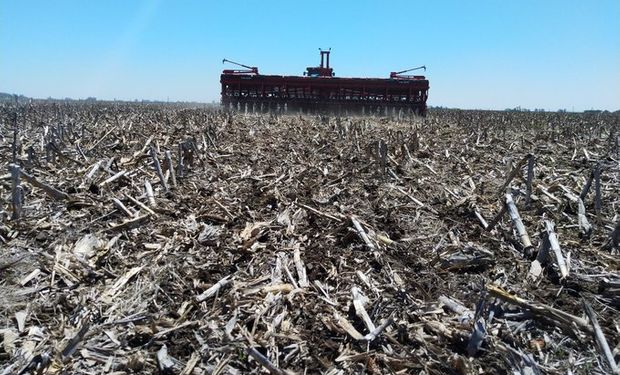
(145, 239)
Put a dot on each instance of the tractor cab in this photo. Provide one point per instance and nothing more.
(321, 71)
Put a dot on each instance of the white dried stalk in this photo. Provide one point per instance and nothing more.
(120, 283)
(600, 338)
(362, 233)
(142, 205)
(348, 327)
(300, 267)
(483, 222)
(89, 176)
(359, 300)
(288, 271)
(113, 178)
(517, 222)
(165, 361)
(149, 193)
(17, 193)
(584, 224)
(122, 207)
(214, 289)
(416, 201)
(377, 331)
(170, 167)
(555, 246)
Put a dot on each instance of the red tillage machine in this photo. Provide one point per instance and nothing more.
(320, 91)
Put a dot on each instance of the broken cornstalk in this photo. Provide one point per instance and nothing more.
(157, 167)
(16, 192)
(517, 222)
(555, 247)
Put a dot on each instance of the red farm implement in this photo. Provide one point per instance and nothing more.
(319, 90)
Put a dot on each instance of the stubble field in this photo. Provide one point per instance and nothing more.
(146, 239)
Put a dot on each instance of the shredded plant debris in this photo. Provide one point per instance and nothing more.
(163, 239)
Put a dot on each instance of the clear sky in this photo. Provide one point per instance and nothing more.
(492, 54)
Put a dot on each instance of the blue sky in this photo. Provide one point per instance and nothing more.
(479, 54)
